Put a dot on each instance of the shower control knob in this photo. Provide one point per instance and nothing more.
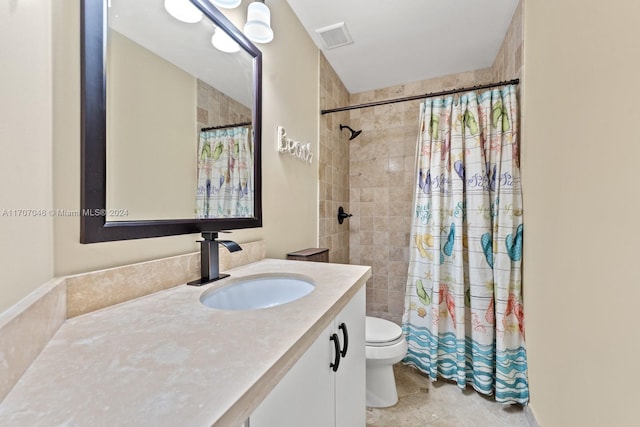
(342, 215)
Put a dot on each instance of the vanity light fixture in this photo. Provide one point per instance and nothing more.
(221, 41)
(183, 10)
(226, 4)
(258, 26)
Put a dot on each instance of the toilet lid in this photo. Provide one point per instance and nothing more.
(381, 330)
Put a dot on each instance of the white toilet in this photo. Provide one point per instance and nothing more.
(385, 346)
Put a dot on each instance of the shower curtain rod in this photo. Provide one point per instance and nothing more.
(415, 97)
(225, 126)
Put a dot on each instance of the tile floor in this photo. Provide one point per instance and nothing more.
(441, 403)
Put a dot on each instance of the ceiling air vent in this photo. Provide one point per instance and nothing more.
(335, 35)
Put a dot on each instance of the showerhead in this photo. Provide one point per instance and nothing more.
(354, 133)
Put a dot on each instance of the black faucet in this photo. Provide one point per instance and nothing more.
(209, 259)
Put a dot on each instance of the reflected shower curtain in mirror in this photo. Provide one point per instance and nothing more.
(225, 174)
(463, 314)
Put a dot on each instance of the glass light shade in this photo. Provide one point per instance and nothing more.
(258, 26)
(226, 4)
(221, 41)
(183, 10)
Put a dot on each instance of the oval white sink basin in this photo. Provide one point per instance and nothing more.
(260, 291)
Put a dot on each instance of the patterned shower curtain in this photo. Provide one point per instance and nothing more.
(463, 311)
(225, 173)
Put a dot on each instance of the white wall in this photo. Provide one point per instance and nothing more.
(26, 245)
(580, 181)
(40, 133)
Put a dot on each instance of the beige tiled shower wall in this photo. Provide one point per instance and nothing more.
(217, 109)
(333, 165)
(508, 62)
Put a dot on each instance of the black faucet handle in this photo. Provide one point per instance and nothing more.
(212, 235)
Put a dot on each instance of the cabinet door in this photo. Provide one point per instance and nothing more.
(304, 396)
(350, 381)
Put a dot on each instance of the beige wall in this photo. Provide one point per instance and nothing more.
(70, 255)
(47, 62)
(290, 93)
(290, 99)
(152, 135)
(580, 163)
(26, 250)
(334, 165)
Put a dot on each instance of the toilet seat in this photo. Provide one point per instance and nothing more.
(382, 333)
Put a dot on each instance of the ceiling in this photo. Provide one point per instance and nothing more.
(401, 41)
(187, 46)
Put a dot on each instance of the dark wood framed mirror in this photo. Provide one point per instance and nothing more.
(100, 221)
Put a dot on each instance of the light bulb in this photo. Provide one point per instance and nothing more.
(222, 41)
(226, 4)
(183, 10)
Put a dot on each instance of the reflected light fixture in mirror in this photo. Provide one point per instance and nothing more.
(258, 26)
(221, 41)
(226, 4)
(183, 10)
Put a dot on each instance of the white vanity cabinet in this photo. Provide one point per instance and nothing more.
(312, 394)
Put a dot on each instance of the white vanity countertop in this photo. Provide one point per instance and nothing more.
(167, 360)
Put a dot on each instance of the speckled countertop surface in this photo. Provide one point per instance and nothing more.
(167, 360)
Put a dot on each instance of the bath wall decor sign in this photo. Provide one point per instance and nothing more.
(297, 149)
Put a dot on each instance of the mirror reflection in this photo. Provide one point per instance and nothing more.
(179, 118)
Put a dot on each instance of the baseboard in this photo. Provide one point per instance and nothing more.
(530, 417)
